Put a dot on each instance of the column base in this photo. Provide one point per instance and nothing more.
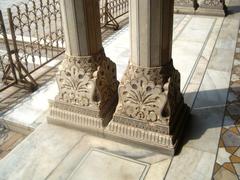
(77, 117)
(213, 8)
(89, 120)
(184, 10)
(87, 92)
(164, 143)
(185, 6)
(211, 12)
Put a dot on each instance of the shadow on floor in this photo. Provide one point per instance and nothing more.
(204, 118)
(233, 9)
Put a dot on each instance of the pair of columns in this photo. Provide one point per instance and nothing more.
(147, 106)
(206, 7)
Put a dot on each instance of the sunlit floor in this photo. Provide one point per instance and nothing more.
(206, 51)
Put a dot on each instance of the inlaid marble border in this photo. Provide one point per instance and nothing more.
(227, 165)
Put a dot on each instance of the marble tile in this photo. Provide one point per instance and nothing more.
(106, 166)
(224, 174)
(232, 96)
(233, 109)
(228, 122)
(213, 36)
(228, 36)
(180, 27)
(190, 94)
(223, 156)
(237, 168)
(39, 153)
(177, 18)
(138, 153)
(185, 57)
(197, 30)
(236, 62)
(158, 170)
(221, 60)
(231, 139)
(32, 108)
(213, 90)
(191, 164)
(191, 88)
(204, 129)
(237, 153)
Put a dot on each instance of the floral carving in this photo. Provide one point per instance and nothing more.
(87, 80)
(107, 80)
(142, 99)
(213, 3)
(144, 93)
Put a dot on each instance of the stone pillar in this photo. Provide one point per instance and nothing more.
(151, 109)
(185, 6)
(212, 7)
(87, 78)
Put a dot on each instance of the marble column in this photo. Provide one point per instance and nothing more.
(212, 7)
(87, 78)
(151, 109)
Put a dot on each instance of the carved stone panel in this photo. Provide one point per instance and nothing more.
(150, 108)
(87, 92)
(88, 81)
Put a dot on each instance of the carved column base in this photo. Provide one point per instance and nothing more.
(87, 93)
(165, 143)
(83, 118)
(185, 6)
(213, 7)
(151, 109)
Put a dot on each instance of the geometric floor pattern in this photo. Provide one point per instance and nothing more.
(227, 164)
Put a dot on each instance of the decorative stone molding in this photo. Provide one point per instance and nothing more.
(205, 7)
(87, 88)
(213, 3)
(150, 108)
(213, 7)
(144, 93)
(187, 3)
(185, 6)
(88, 81)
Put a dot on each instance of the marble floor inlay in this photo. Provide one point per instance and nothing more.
(227, 164)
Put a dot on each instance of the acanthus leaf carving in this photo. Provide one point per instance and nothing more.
(144, 93)
(87, 80)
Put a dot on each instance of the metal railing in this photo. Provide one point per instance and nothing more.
(37, 33)
(111, 10)
(35, 37)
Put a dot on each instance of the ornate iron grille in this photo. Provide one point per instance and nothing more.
(7, 69)
(37, 32)
(111, 10)
(36, 36)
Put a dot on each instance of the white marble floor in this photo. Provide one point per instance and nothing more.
(187, 53)
(203, 51)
